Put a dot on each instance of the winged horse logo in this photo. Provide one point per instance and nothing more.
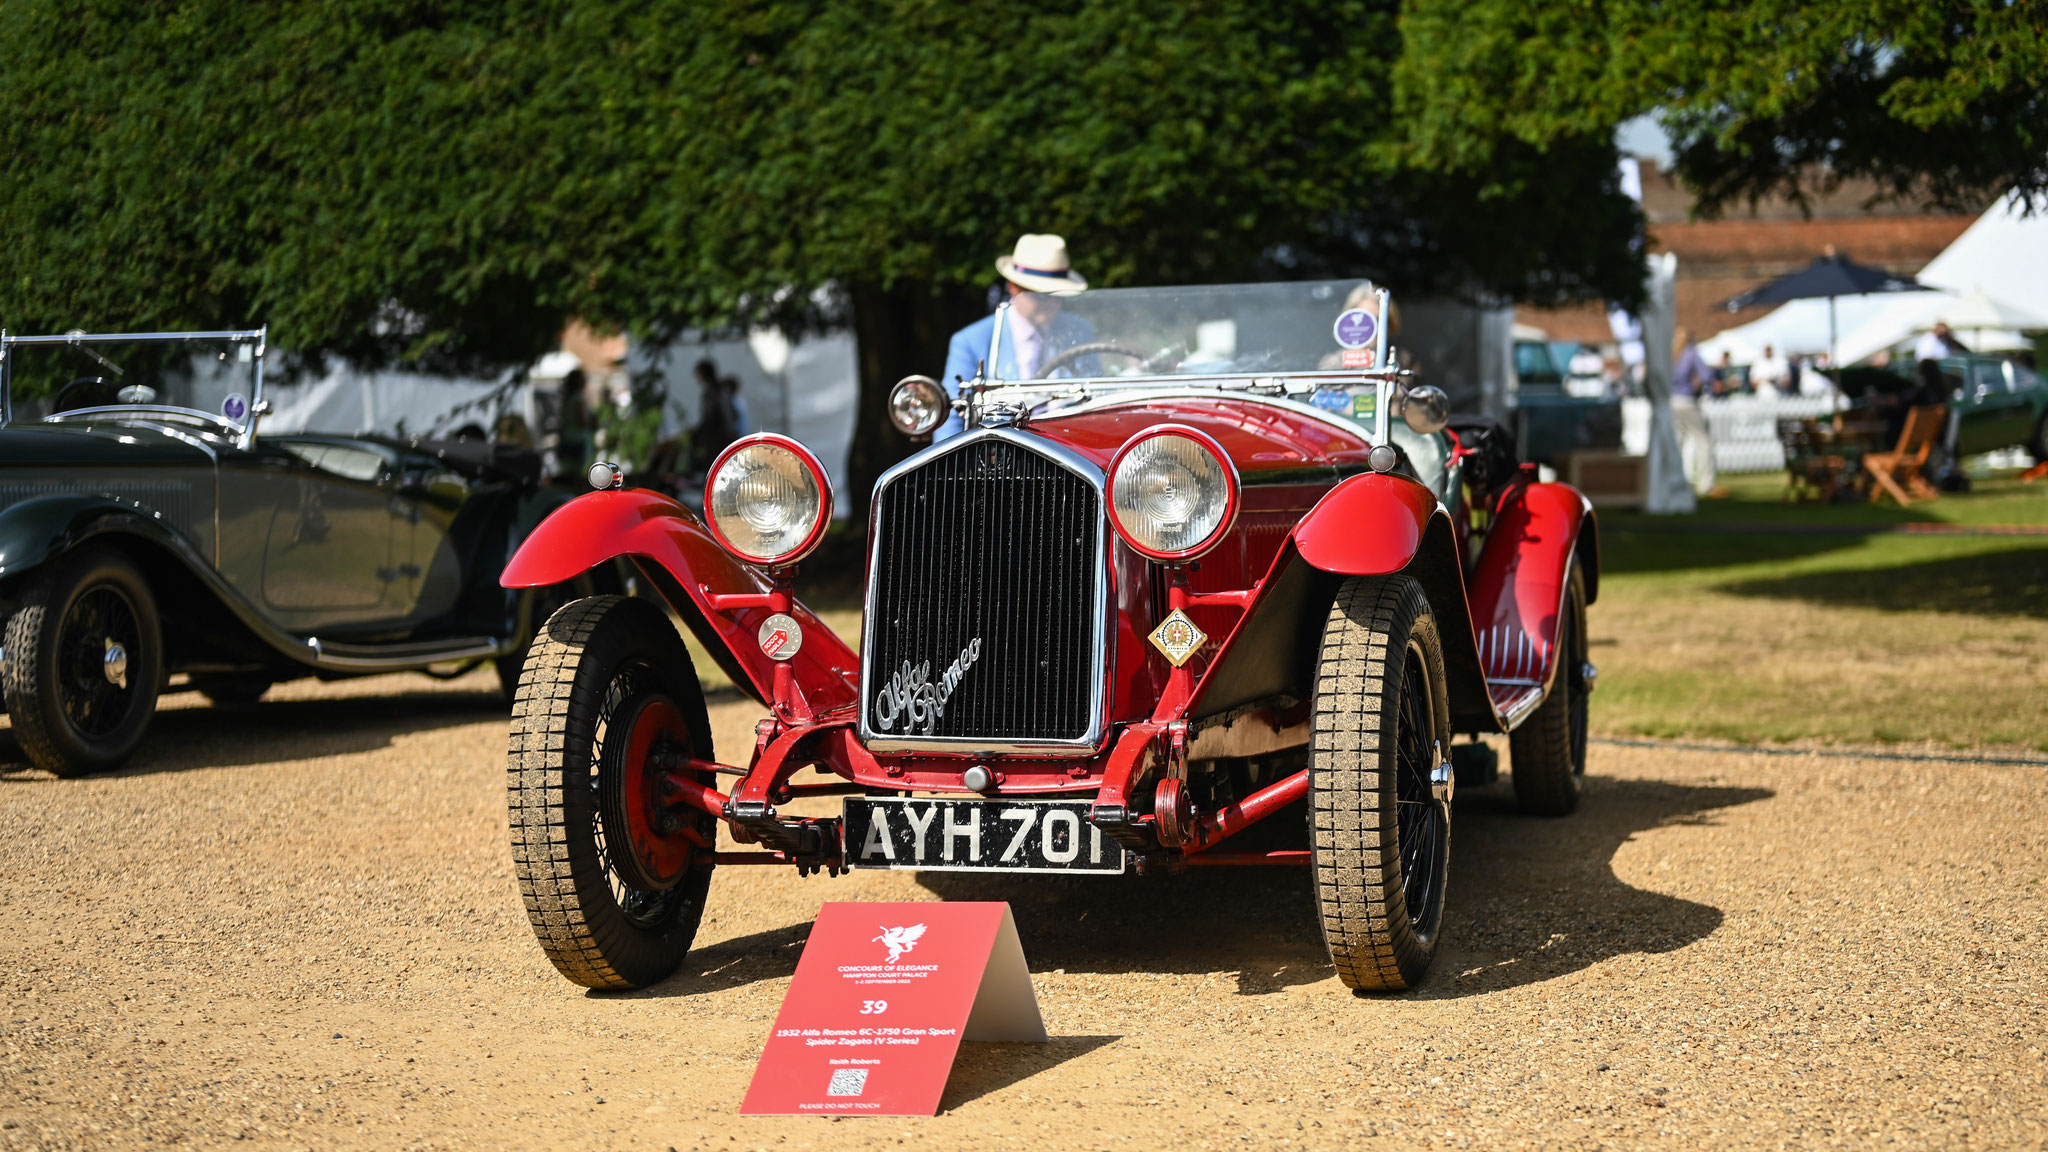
(900, 940)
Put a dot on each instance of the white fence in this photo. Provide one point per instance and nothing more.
(1744, 428)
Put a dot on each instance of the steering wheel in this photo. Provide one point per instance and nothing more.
(83, 392)
(1163, 359)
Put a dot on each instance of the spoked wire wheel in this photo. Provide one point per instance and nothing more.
(94, 643)
(1379, 784)
(611, 871)
(1548, 751)
(84, 662)
(1422, 811)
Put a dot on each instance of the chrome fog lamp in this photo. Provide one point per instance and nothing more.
(1173, 492)
(768, 500)
(917, 405)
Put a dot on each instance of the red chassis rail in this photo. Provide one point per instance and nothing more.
(813, 695)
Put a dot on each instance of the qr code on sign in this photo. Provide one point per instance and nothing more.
(847, 1082)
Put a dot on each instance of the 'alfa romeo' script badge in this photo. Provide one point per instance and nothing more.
(1178, 637)
(913, 697)
(780, 636)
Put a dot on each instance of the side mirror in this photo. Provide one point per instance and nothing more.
(1425, 409)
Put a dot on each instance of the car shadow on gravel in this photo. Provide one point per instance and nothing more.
(181, 739)
(1532, 899)
(1255, 925)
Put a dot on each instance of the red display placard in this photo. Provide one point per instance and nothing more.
(883, 995)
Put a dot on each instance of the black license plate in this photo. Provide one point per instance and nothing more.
(977, 836)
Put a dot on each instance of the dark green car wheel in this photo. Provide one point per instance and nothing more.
(84, 662)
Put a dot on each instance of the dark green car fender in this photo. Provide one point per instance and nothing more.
(37, 530)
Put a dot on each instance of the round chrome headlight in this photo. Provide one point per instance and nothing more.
(767, 500)
(917, 405)
(1172, 492)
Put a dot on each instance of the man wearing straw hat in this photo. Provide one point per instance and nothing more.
(1037, 330)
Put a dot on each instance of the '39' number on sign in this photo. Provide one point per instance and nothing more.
(873, 1007)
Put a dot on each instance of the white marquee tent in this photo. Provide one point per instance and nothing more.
(2003, 257)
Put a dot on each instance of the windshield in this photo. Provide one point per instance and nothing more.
(1215, 330)
(212, 375)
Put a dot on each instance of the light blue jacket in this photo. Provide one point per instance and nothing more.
(970, 346)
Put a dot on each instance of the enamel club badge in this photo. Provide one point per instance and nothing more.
(1178, 637)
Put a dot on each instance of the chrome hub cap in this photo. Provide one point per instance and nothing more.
(1442, 783)
(115, 664)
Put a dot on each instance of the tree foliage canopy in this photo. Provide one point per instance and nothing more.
(446, 182)
(1940, 102)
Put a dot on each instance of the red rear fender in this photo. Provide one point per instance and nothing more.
(603, 526)
(1519, 584)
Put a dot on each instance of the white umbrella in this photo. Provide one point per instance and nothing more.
(1978, 310)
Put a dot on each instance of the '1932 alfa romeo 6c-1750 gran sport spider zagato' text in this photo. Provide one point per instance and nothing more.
(1209, 561)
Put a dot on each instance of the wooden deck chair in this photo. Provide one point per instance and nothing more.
(1898, 472)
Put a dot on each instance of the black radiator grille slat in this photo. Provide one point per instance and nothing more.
(992, 542)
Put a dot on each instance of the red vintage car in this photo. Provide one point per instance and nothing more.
(1210, 560)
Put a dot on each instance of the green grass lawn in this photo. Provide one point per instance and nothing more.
(1703, 629)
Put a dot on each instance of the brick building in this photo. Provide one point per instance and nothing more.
(1748, 246)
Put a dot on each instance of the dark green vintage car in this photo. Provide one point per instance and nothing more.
(140, 540)
(1995, 402)
(1998, 403)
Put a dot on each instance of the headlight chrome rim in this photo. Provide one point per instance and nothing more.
(912, 389)
(820, 483)
(1227, 471)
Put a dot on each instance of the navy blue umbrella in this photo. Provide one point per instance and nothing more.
(1828, 276)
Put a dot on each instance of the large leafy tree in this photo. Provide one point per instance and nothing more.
(445, 183)
(1935, 102)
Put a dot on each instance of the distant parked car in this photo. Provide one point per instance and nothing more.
(1999, 403)
(1550, 422)
(140, 539)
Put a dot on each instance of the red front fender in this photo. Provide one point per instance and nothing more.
(602, 526)
(1369, 525)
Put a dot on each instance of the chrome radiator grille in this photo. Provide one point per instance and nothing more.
(986, 602)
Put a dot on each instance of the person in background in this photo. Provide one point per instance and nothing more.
(1769, 375)
(1727, 381)
(1690, 380)
(571, 450)
(1039, 263)
(718, 422)
(742, 423)
(1939, 344)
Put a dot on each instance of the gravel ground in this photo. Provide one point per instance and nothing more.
(295, 924)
